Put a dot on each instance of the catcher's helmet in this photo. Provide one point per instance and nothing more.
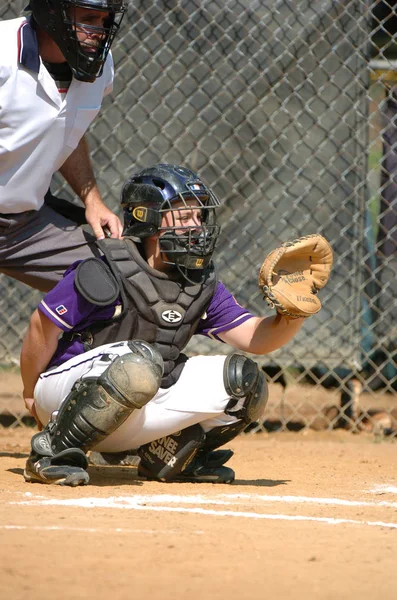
(147, 195)
(58, 19)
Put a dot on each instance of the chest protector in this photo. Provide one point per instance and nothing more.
(156, 308)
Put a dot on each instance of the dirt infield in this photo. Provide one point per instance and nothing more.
(310, 515)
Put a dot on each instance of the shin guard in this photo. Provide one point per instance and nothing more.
(97, 407)
(166, 457)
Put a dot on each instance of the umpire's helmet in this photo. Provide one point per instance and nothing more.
(147, 195)
(58, 19)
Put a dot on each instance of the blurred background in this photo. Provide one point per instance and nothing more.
(289, 112)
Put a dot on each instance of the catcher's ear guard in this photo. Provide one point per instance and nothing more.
(146, 221)
(141, 203)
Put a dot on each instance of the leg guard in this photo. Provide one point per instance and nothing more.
(97, 407)
(166, 457)
(247, 387)
(216, 437)
(186, 457)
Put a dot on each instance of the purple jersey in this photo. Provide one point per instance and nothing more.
(71, 312)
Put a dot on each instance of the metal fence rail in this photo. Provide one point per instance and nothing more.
(288, 111)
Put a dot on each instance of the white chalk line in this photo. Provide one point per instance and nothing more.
(251, 515)
(219, 499)
(146, 503)
(384, 489)
(95, 529)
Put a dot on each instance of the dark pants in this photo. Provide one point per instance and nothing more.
(36, 247)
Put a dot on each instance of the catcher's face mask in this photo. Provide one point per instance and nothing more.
(188, 234)
(172, 201)
(83, 30)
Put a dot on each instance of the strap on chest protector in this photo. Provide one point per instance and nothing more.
(96, 282)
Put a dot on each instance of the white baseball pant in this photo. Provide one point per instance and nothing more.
(199, 396)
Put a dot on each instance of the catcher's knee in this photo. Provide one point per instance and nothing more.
(136, 376)
(247, 387)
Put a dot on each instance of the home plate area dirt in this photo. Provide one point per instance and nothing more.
(310, 515)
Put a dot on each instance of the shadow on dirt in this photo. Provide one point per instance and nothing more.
(261, 482)
(98, 477)
(14, 454)
(123, 476)
(18, 472)
(114, 476)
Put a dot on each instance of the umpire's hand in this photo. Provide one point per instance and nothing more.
(100, 218)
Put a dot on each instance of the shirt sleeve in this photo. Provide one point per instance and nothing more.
(223, 313)
(68, 309)
(109, 74)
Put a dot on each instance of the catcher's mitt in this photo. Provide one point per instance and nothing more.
(291, 275)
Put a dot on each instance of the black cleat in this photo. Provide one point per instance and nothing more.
(65, 468)
(207, 468)
(214, 458)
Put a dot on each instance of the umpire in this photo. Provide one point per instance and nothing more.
(55, 69)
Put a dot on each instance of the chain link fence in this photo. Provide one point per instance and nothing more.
(288, 111)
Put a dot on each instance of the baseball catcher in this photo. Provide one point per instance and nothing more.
(118, 378)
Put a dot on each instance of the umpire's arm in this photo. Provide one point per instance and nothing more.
(78, 172)
(39, 345)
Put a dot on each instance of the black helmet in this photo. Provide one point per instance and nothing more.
(147, 195)
(58, 19)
